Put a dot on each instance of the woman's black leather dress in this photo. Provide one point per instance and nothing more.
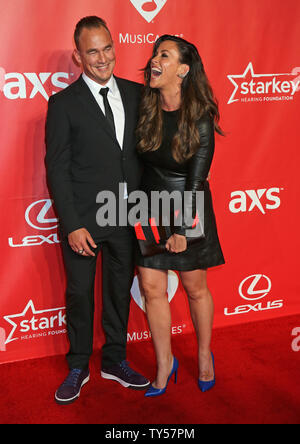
(162, 172)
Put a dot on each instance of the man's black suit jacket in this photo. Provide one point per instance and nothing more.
(83, 156)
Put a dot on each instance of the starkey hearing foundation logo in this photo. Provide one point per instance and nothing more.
(33, 324)
(148, 9)
(253, 87)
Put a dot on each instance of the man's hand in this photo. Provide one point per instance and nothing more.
(176, 244)
(80, 242)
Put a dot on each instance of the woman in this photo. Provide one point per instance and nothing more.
(179, 116)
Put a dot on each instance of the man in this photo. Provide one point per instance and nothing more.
(90, 138)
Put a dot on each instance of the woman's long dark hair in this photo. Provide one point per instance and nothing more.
(197, 99)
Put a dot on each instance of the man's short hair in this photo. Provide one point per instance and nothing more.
(89, 23)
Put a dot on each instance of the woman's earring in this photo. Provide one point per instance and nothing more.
(183, 76)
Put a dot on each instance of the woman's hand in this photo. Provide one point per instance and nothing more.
(176, 244)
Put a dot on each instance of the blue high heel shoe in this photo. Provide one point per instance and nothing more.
(204, 386)
(152, 391)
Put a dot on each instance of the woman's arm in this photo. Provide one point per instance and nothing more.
(199, 168)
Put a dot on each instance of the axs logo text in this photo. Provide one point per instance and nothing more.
(262, 200)
(30, 84)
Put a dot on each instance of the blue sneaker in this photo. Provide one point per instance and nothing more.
(125, 376)
(70, 389)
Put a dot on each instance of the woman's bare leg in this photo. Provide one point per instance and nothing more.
(153, 286)
(202, 314)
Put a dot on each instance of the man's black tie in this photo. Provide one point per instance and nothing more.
(108, 112)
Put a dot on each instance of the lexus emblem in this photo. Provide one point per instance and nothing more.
(36, 213)
(255, 287)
